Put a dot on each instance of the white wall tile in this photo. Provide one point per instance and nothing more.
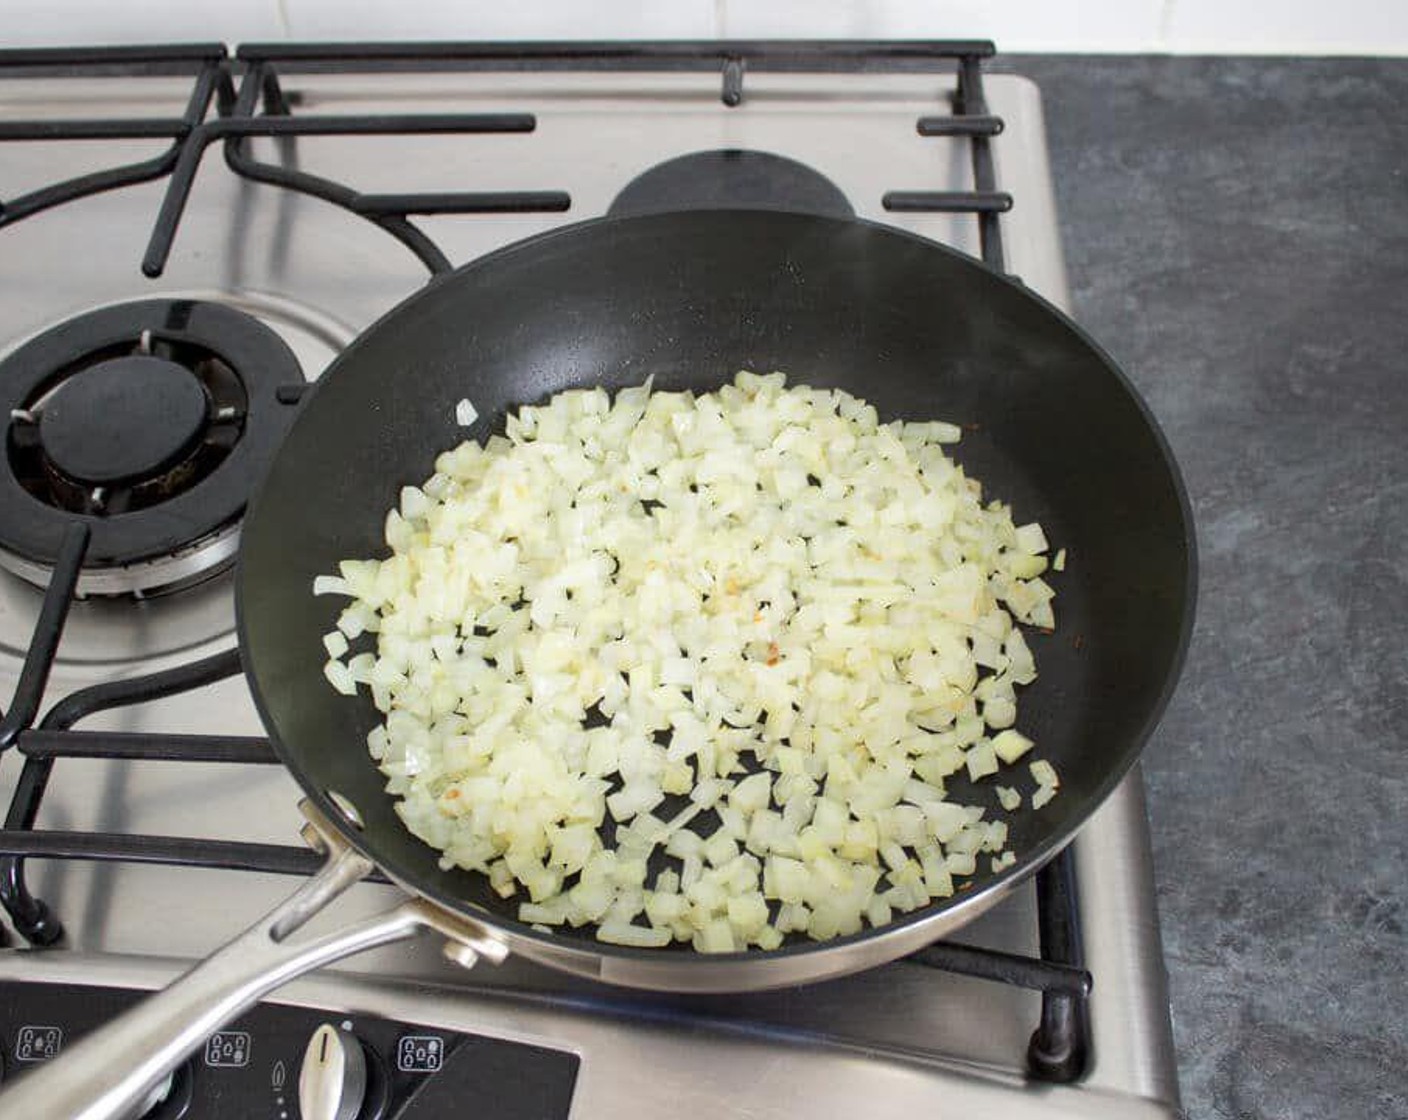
(533, 19)
(1368, 27)
(1181, 26)
(1015, 25)
(38, 23)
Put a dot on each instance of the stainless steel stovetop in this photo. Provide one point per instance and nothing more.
(895, 1041)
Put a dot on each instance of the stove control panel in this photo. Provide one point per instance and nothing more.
(279, 1062)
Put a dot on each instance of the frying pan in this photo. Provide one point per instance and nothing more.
(918, 330)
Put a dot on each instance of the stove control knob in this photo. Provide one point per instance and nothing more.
(333, 1081)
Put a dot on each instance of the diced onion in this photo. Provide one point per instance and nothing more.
(340, 677)
(757, 629)
(330, 585)
(640, 937)
(1042, 795)
(1043, 773)
(1011, 745)
(1030, 538)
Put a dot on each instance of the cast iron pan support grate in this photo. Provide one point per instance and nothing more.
(262, 108)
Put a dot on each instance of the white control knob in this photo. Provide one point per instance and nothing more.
(333, 1081)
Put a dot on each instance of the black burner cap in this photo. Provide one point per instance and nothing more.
(731, 178)
(123, 419)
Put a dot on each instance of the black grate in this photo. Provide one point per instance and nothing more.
(232, 100)
(260, 107)
(211, 81)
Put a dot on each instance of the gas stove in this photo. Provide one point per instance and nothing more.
(206, 230)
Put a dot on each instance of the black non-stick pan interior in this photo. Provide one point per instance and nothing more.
(919, 331)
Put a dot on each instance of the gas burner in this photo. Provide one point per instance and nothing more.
(728, 178)
(151, 421)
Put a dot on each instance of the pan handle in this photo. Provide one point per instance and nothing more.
(110, 1072)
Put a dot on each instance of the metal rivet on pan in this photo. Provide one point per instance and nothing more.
(349, 811)
(457, 952)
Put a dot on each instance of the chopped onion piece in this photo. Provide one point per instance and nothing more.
(1010, 745)
(340, 677)
(1044, 773)
(1030, 538)
(982, 761)
(639, 937)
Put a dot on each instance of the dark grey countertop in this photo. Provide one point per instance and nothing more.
(1236, 234)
